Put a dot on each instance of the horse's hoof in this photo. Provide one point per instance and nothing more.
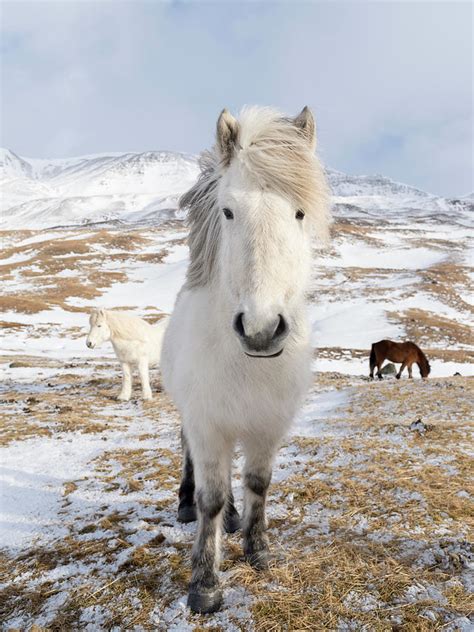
(123, 398)
(187, 513)
(232, 523)
(398, 377)
(205, 601)
(259, 560)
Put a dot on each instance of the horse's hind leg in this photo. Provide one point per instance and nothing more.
(399, 374)
(145, 378)
(186, 508)
(257, 475)
(126, 391)
(231, 515)
(379, 369)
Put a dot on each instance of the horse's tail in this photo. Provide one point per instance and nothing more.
(373, 357)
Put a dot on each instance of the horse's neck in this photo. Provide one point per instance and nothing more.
(115, 341)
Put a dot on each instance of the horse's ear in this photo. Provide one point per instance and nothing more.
(306, 123)
(227, 135)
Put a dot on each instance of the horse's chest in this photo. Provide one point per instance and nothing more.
(128, 351)
(246, 395)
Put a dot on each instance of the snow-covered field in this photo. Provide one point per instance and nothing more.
(369, 517)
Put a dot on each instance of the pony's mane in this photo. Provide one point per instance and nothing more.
(276, 153)
(124, 326)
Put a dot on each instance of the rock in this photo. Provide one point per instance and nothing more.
(389, 369)
(18, 364)
(420, 427)
(457, 374)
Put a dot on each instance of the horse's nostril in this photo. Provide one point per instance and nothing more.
(282, 327)
(239, 325)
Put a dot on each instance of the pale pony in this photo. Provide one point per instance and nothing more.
(236, 355)
(136, 344)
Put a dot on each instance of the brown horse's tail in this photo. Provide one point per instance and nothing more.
(373, 357)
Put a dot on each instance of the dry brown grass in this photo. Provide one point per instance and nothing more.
(445, 281)
(346, 229)
(360, 505)
(318, 591)
(52, 256)
(428, 328)
(320, 578)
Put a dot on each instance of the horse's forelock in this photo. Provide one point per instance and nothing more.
(275, 152)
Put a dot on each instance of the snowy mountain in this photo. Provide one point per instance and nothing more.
(145, 186)
(130, 186)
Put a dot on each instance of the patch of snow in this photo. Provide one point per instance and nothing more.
(361, 255)
(33, 473)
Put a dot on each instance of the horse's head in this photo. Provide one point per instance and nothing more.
(99, 329)
(425, 368)
(271, 194)
(423, 364)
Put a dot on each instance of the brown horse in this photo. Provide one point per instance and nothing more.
(405, 352)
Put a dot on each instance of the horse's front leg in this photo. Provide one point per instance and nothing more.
(211, 468)
(410, 373)
(126, 391)
(143, 369)
(257, 475)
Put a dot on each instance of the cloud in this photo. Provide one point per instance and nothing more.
(390, 82)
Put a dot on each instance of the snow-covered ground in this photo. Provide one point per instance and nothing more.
(88, 485)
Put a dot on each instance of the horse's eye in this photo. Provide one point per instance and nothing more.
(299, 214)
(228, 213)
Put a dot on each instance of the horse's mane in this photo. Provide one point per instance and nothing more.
(278, 155)
(125, 326)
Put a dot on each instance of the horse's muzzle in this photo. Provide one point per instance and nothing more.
(89, 344)
(267, 343)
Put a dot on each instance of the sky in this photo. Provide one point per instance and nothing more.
(390, 83)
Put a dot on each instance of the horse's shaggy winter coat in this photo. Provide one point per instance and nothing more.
(135, 342)
(407, 353)
(236, 355)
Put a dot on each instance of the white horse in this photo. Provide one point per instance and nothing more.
(236, 355)
(135, 342)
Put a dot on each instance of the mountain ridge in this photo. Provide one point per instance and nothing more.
(132, 185)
